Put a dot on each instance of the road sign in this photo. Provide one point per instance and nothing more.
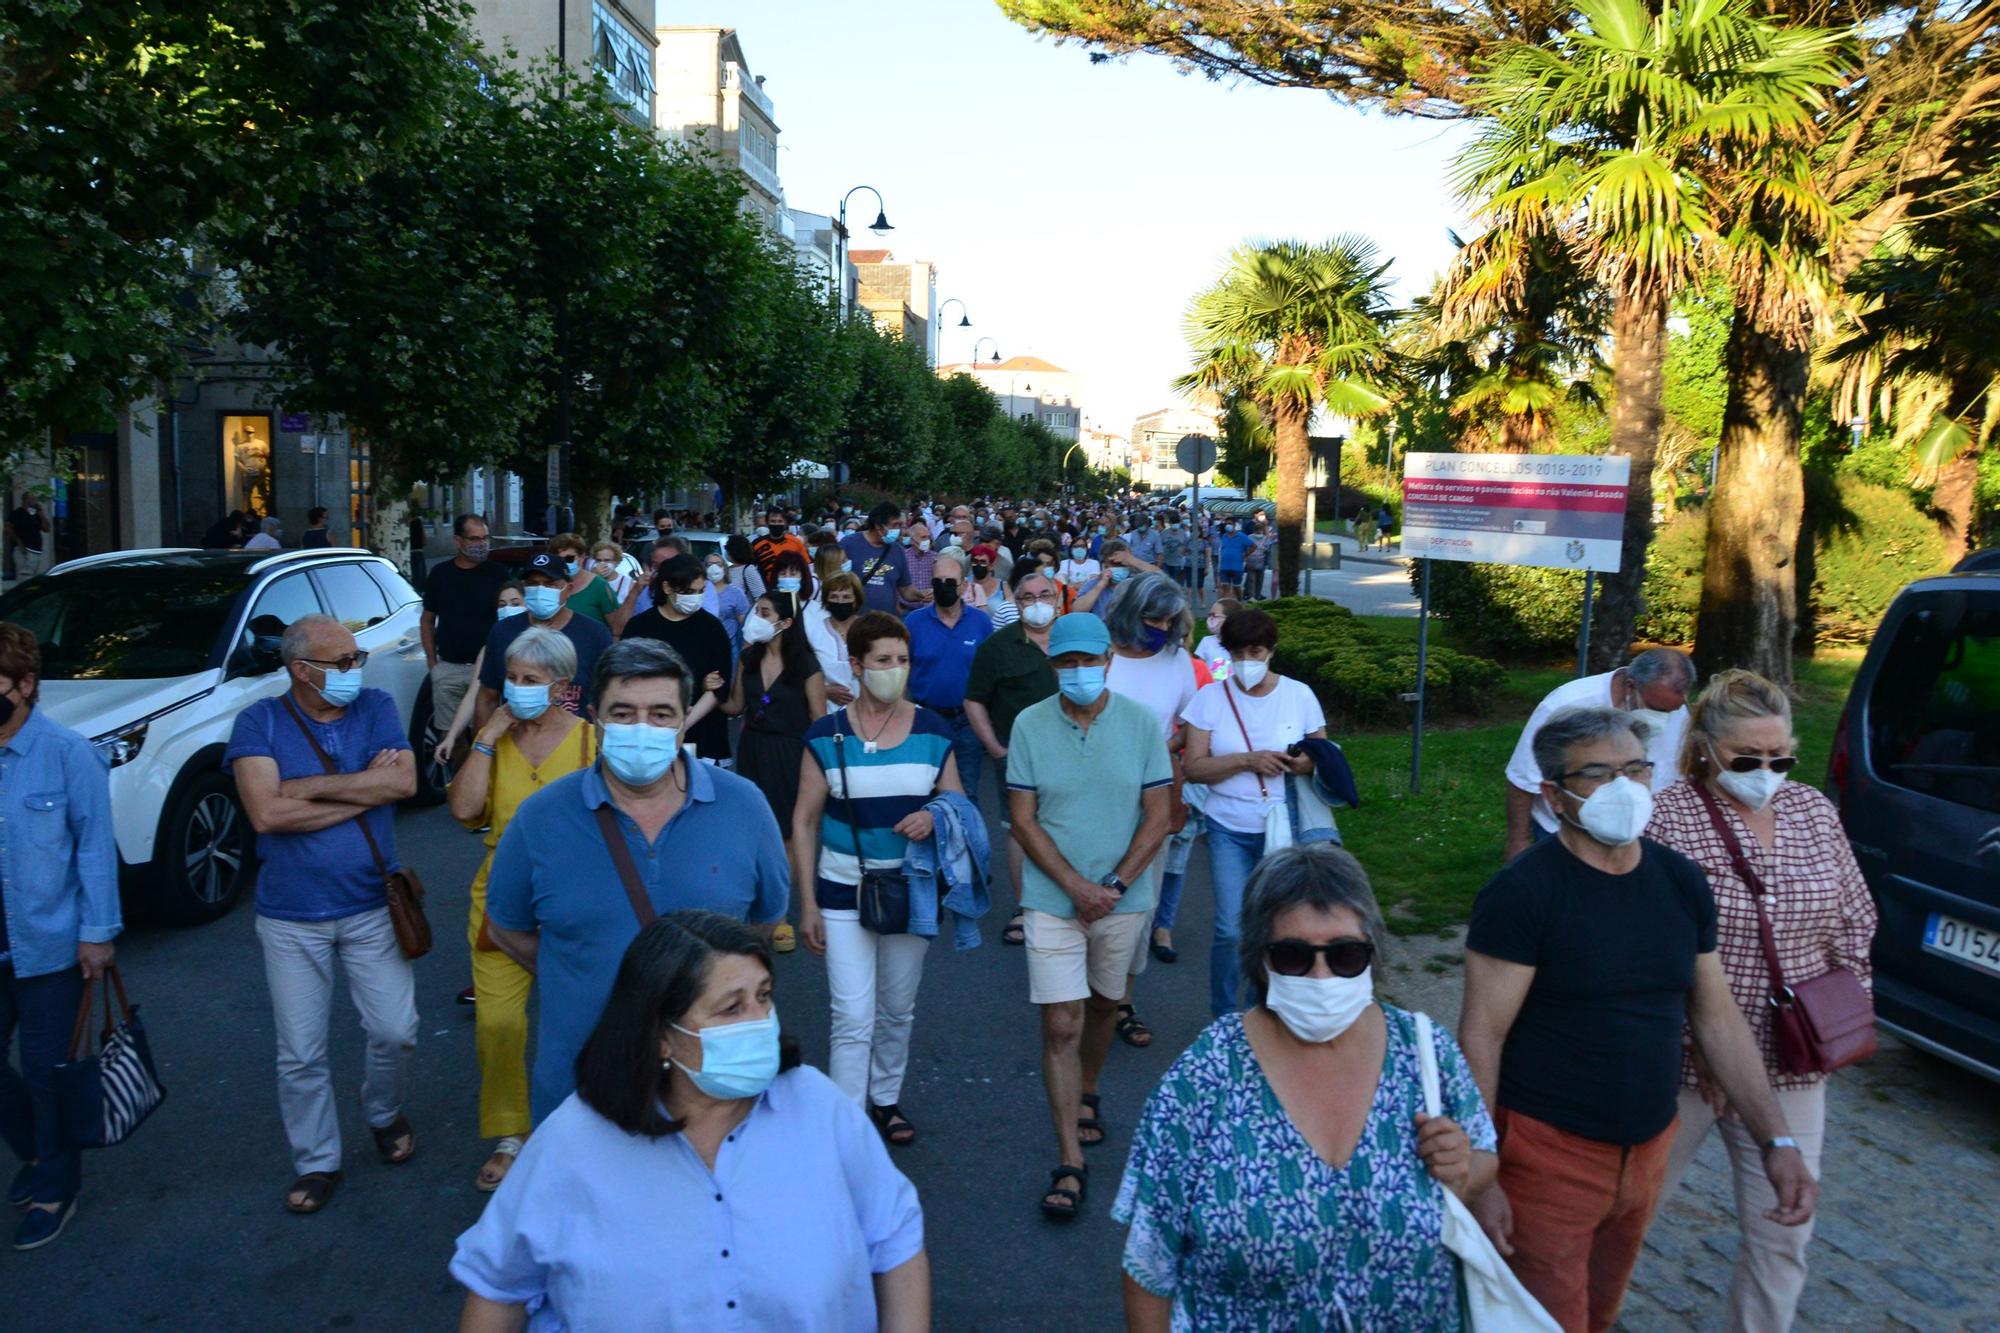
(1195, 454)
(1558, 511)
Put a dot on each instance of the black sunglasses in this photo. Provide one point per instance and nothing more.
(1294, 958)
(1750, 763)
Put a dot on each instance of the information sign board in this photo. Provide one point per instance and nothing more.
(1558, 511)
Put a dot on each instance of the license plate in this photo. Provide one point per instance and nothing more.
(1975, 946)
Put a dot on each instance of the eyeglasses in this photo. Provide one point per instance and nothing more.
(1295, 958)
(1639, 770)
(1750, 763)
(350, 662)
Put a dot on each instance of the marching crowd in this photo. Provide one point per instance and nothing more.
(684, 760)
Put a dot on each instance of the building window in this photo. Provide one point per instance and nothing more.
(625, 62)
(246, 464)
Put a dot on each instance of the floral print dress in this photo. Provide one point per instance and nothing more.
(1236, 1219)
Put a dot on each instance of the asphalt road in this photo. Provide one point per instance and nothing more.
(183, 1226)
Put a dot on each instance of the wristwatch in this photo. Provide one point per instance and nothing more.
(1782, 1141)
(1113, 883)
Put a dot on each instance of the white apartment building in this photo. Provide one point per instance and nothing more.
(708, 97)
(1156, 434)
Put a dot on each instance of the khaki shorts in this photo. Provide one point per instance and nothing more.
(1068, 960)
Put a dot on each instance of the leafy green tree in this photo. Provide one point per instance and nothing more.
(136, 136)
(892, 421)
(1623, 137)
(1301, 326)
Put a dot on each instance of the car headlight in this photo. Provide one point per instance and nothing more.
(122, 746)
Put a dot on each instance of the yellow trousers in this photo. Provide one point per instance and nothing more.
(500, 986)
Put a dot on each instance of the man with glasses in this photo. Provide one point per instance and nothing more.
(327, 840)
(1653, 687)
(1088, 783)
(1586, 959)
(460, 601)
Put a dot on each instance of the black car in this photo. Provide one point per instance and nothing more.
(1916, 772)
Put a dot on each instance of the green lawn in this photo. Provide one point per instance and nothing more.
(1428, 854)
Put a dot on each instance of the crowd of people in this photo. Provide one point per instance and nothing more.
(686, 761)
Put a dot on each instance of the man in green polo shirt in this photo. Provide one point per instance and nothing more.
(1010, 672)
(1088, 785)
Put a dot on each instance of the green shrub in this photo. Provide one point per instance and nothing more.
(1360, 676)
(1868, 541)
(1510, 610)
(1673, 578)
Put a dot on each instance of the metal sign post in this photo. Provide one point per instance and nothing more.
(1423, 658)
(1583, 633)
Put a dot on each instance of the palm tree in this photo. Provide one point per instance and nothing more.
(1297, 326)
(1624, 138)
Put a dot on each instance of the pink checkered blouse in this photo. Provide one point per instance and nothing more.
(1821, 914)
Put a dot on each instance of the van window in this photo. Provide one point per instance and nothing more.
(1935, 708)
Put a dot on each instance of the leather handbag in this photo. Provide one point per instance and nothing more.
(404, 889)
(1494, 1299)
(1822, 1024)
(103, 1095)
(883, 895)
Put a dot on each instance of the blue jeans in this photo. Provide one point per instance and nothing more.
(1182, 574)
(1231, 855)
(971, 755)
(1170, 900)
(44, 1009)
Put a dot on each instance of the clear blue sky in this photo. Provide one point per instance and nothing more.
(1073, 207)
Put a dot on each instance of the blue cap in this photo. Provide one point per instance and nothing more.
(1079, 632)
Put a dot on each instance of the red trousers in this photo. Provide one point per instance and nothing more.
(1581, 1209)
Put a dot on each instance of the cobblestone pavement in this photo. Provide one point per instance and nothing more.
(1908, 1236)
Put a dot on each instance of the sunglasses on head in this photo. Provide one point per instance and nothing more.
(1294, 958)
(1750, 763)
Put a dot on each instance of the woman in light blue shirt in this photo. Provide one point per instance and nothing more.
(699, 1178)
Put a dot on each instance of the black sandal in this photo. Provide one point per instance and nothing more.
(1093, 1123)
(896, 1128)
(1071, 1199)
(1132, 1029)
(395, 1141)
(315, 1188)
(1016, 932)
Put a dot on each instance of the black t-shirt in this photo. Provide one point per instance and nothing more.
(27, 527)
(703, 644)
(1596, 1048)
(465, 604)
(313, 538)
(584, 634)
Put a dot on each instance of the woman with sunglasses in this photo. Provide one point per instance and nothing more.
(1285, 1166)
(1738, 752)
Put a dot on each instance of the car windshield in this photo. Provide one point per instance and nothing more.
(125, 623)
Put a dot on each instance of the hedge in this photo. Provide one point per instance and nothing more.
(1868, 542)
(1360, 675)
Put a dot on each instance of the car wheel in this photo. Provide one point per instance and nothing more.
(203, 855)
(432, 777)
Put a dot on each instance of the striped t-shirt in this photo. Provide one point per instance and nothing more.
(889, 785)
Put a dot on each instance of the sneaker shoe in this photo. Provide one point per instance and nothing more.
(42, 1225)
(466, 996)
(21, 1192)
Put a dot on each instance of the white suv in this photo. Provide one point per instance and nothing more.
(151, 654)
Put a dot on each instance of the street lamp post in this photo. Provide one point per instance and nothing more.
(880, 226)
(964, 322)
(989, 338)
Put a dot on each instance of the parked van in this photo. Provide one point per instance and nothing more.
(1186, 496)
(1916, 773)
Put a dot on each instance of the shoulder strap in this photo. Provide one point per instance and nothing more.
(628, 870)
(361, 820)
(1427, 1065)
(1758, 891)
(1229, 693)
(875, 568)
(847, 792)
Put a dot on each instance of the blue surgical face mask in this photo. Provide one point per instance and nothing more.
(513, 610)
(788, 583)
(342, 687)
(570, 565)
(1151, 639)
(1119, 573)
(526, 702)
(738, 1060)
(542, 602)
(638, 754)
(1080, 685)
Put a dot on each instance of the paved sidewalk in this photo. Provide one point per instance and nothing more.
(1909, 1222)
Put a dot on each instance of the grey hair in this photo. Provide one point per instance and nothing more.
(640, 659)
(1577, 726)
(548, 649)
(1314, 874)
(957, 556)
(272, 524)
(1148, 596)
(1656, 665)
(298, 636)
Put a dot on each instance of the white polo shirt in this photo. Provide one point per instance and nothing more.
(1664, 749)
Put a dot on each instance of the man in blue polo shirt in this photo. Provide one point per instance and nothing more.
(943, 638)
(697, 837)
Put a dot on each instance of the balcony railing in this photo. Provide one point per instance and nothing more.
(735, 79)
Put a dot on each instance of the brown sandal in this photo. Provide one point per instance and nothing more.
(316, 1187)
(388, 1137)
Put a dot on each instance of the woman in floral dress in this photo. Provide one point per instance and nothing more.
(1284, 1175)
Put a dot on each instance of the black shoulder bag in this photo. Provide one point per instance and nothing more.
(883, 895)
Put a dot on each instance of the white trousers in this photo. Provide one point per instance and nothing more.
(873, 983)
(298, 963)
(1771, 1260)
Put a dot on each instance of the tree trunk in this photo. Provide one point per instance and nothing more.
(1293, 445)
(391, 530)
(1749, 586)
(1638, 370)
(1954, 499)
(592, 504)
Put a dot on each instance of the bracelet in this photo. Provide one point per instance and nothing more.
(481, 747)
